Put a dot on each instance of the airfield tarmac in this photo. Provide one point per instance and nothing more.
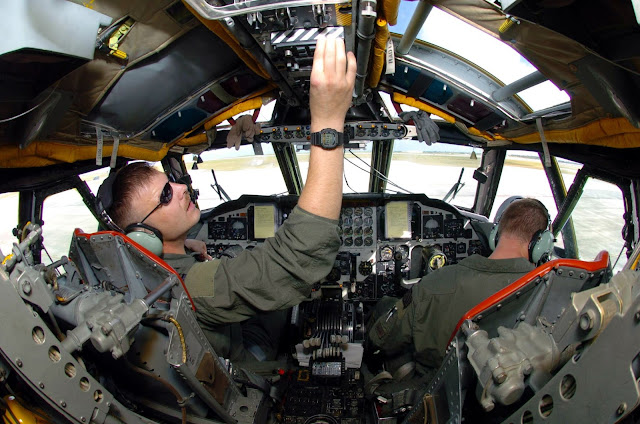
(597, 218)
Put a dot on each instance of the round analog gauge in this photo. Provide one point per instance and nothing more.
(357, 231)
(358, 241)
(386, 253)
(347, 211)
(347, 221)
(368, 231)
(368, 241)
(357, 211)
(347, 231)
(365, 268)
(368, 211)
(357, 221)
(368, 221)
(348, 241)
(404, 251)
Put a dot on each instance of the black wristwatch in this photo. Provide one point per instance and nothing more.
(328, 138)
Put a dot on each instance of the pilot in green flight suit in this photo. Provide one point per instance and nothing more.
(280, 273)
(272, 277)
(418, 326)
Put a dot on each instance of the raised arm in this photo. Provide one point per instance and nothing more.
(332, 79)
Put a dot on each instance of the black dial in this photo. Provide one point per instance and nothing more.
(365, 268)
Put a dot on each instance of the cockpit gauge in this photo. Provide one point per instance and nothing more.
(357, 221)
(358, 241)
(347, 231)
(432, 226)
(403, 250)
(358, 211)
(365, 268)
(347, 221)
(238, 228)
(368, 231)
(368, 221)
(357, 231)
(386, 253)
(347, 211)
(368, 241)
(368, 211)
(348, 241)
(217, 230)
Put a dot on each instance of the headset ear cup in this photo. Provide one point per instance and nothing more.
(148, 241)
(540, 246)
(493, 237)
(146, 236)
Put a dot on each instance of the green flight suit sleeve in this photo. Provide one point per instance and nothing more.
(276, 275)
(392, 331)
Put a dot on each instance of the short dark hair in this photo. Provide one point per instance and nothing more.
(523, 218)
(125, 191)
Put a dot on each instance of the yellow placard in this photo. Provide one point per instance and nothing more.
(264, 221)
(397, 222)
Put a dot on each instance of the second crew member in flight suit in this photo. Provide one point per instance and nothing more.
(418, 326)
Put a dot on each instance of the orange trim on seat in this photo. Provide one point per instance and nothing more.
(79, 233)
(600, 262)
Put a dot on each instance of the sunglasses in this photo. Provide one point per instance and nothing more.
(165, 197)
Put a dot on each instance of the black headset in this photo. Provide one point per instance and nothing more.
(540, 245)
(144, 234)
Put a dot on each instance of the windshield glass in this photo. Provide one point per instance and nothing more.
(485, 51)
(237, 172)
(435, 171)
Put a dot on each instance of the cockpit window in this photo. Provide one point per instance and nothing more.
(62, 213)
(441, 171)
(9, 213)
(524, 176)
(598, 220)
(237, 172)
(489, 53)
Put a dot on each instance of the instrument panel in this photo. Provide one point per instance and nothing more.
(387, 241)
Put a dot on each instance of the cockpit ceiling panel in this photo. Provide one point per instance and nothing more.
(157, 85)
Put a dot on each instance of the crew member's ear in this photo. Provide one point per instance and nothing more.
(146, 236)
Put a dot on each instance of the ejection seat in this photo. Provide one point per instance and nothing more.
(526, 299)
(539, 299)
(165, 346)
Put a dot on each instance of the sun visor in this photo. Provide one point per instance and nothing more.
(177, 72)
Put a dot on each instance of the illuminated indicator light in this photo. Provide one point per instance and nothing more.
(471, 103)
(359, 126)
(308, 137)
(297, 128)
(385, 127)
(286, 129)
(373, 125)
(273, 130)
(281, 371)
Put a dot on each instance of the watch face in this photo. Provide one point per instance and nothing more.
(328, 139)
